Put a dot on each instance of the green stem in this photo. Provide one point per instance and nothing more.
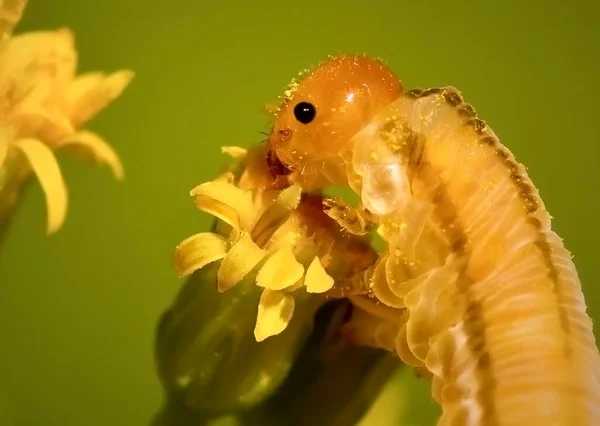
(14, 176)
(304, 376)
(331, 383)
(207, 357)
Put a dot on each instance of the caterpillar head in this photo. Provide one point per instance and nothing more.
(315, 123)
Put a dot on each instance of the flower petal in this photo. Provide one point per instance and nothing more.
(227, 177)
(276, 214)
(36, 108)
(50, 53)
(275, 310)
(234, 152)
(4, 141)
(225, 201)
(100, 151)
(197, 251)
(46, 168)
(36, 71)
(11, 12)
(317, 280)
(49, 124)
(280, 271)
(290, 197)
(90, 93)
(239, 261)
(288, 234)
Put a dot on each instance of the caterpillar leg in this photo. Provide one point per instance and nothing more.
(372, 324)
(355, 220)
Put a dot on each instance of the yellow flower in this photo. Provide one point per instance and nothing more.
(275, 238)
(43, 106)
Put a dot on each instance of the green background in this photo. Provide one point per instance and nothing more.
(78, 309)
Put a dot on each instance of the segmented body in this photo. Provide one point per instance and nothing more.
(473, 285)
(496, 311)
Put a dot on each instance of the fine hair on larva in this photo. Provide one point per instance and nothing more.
(473, 287)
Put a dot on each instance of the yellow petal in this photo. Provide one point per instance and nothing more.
(10, 15)
(288, 234)
(225, 201)
(46, 168)
(317, 280)
(197, 251)
(89, 93)
(50, 53)
(276, 214)
(239, 261)
(36, 107)
(275, 310)
(36, 70)
(280, 271)
(290, 197)
(49, 124)
(234, 152)
(97, 148)
(4, 141)
(227, 177)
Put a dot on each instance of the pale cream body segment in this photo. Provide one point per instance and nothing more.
(496, 310)
(473, 289)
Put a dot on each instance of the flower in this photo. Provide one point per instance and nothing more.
(280, 239)
(43, 106)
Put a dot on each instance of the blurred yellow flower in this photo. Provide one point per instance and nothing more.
(43, 106)
(263, 235)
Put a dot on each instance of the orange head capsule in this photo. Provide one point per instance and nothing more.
(316, 121)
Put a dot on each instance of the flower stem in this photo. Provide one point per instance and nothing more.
(331, 383)
(214, 373)
(14, 176)
(206, 353)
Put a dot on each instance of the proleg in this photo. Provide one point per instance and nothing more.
(479, 290)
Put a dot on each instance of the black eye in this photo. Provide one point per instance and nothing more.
(305, 112)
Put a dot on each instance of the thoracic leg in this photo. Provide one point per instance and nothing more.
(355, 220)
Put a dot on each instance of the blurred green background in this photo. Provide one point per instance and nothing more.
(78, 309)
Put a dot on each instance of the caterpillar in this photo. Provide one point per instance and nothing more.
(473, 287)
